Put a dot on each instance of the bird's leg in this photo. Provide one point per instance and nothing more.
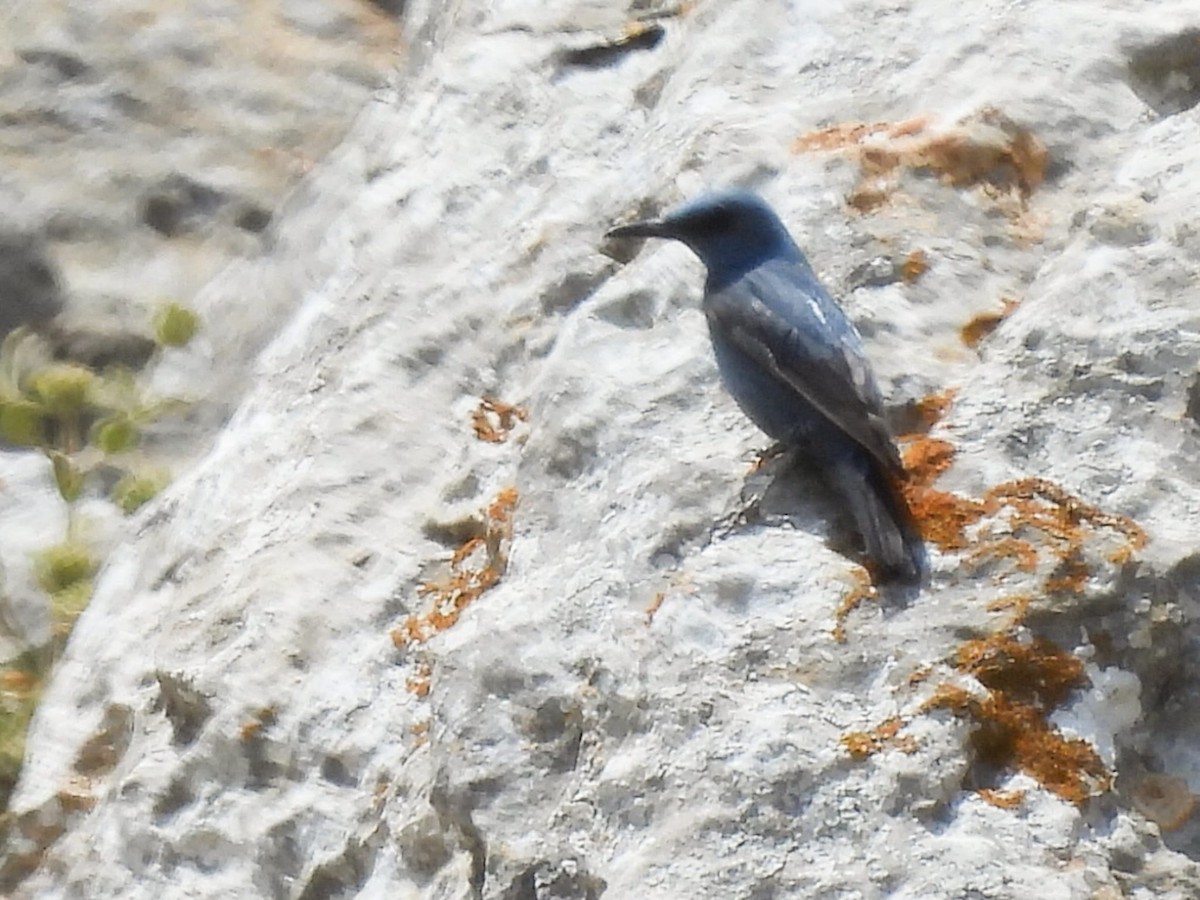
(764, 457)
(749, 509)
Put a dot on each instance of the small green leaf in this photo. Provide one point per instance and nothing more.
(67, 476)
(64, 566)
(114, 434)
(133, 491)
(63, 388)
(175, 325)
(22, 422)
(68, 603)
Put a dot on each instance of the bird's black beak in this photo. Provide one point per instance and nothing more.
(647, 229)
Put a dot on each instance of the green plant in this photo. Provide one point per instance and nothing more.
(134, 490)
(88, 423)
(64, 567)
(20, 688)
(22, 422)
(175, 325)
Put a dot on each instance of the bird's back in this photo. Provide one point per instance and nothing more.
(794, 361)
(796, 366)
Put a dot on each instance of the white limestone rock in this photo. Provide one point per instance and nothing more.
(265, 735)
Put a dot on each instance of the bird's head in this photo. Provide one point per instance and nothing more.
(731, 232)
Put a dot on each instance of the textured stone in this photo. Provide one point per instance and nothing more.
(631, 688)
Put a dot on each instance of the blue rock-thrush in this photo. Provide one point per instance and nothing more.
(795, 363)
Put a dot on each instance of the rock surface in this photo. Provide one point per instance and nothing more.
(624, 685)
(142, 147)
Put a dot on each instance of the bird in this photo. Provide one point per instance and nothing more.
(795, 364)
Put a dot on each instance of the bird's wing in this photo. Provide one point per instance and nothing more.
(781, 317)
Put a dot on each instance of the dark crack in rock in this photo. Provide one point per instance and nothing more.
(1166, 73)
(30, 289)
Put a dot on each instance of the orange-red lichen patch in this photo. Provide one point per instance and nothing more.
(926, 458)
(987, 149)
(1023, 554)
(493, 420)
(1034, 673)
(653, 607)
(420, 681)
(263, 718)
(1070, 576)
(868, 197)
(1038, 526)
(919, 675)
(1064, 523)
(1025, 683)
(861, 744)
(941, 516)
(1018, 604)
(851, 134)
(1038, 514)
(931, 408)
(860, 591)
(1164, 799)
(914, 266)
(984, 324)
(420, 732)
(1002, 799)
(475, 568)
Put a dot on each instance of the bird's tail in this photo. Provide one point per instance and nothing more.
(882, 515)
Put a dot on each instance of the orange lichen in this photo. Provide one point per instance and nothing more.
(1023, 553)
(420, 681)
(915, 265)
(494, 420)
(986, 149)
(475, 568)
(1025, 682)
(941, 516)
(919, 675)
(926, 458)
(992, 149)
(263, 717)
(420, 732)
(1056, 511)
(866, 198)
(1038, 526)
(1070, 577)
(860, 591)
(1002, 799)
(1164, 799)
(850, 134)
(931, 408)
(1063, 520)
(836, 137)
(1017, 603)
(861, 744)
(984, 324)
(763, 457)
(655, 603)
(1036, 673)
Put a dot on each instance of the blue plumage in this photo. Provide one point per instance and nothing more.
(795, 363)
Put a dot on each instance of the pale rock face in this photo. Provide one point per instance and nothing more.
(233, 718)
